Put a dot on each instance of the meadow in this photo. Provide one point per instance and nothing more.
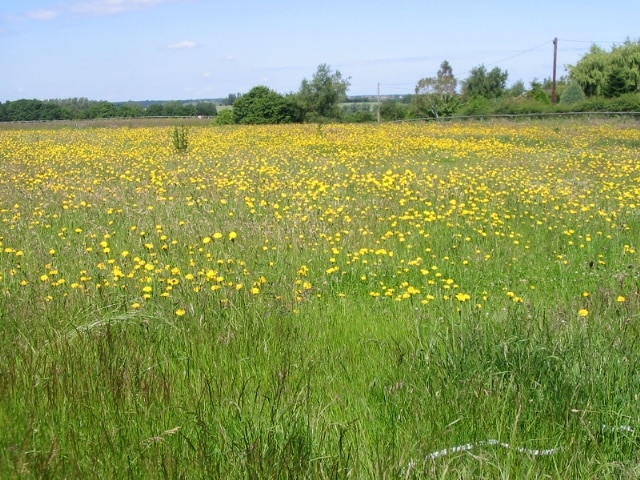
(321, 301)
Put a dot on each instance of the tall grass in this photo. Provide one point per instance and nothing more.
(280, 302)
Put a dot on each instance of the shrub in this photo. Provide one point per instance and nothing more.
(181, 139)
(225, 117)
(573, 93)
(477, 106)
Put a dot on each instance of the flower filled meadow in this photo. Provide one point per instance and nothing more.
(321, 301)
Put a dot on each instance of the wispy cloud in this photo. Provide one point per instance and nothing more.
(49, 14)
(183, 44)
(93, 8)
(112, 7)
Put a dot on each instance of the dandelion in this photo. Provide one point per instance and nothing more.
(180, 312)
(463, 297)
(621, 299)
(583, 312)
(232, 236)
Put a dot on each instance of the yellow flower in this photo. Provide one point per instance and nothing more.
(621, 299)
(180, 312)
(232, 236)
(463, 297)
(583, 312)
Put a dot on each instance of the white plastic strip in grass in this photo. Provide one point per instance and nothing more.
(469, 446)
(528, 451)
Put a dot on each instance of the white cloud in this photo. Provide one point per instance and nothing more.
(42, 14)
(112, 7)
(183, 44)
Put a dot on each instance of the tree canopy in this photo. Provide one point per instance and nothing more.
(609, 74)
(319, 98)
(481, 83)
(437, 96)
(262, 105)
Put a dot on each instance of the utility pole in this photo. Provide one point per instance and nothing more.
(555, 59)
(378, 102)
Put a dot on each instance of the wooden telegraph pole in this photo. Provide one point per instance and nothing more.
(379, 102)
(555, 59)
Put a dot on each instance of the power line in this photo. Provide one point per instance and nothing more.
(399, 86)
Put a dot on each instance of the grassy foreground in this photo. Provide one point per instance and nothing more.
(321, 302)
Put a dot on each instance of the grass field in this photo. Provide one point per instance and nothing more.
(337, 301)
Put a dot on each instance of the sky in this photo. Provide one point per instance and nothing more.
(121, 50)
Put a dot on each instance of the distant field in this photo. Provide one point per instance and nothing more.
(320, 301)
(108, 123)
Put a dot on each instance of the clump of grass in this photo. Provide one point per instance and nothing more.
(180, 139)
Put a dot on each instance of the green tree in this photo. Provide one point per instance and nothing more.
(206, 109)
(572, 93)
(154, 110)
(320, 97)
(391, 110)
(225, 117)
(101, 109)
(130, 110)
(178, 109)
(30, 110)
(437, 96)
(262, 105)
(481, 83)
(609, 74)
(591, 71)
(516, 90)
(538, 93)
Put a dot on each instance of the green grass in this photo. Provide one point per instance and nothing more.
(330, 381)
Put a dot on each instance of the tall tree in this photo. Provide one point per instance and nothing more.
(320, 97)
(609, 74)
(262, 105)
(481, 83)
(437, 96)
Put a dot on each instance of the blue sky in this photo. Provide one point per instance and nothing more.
(120, 50)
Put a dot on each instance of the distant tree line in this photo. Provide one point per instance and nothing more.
(84, 109)
(317, 100)
(600, 81)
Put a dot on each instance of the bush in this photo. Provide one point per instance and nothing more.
(181, 139)
(629, 102)
(361, 116)
(477, 106)
(572, 94)
(520, 106)
(391, 110)
(225, 117)
(261, 106)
